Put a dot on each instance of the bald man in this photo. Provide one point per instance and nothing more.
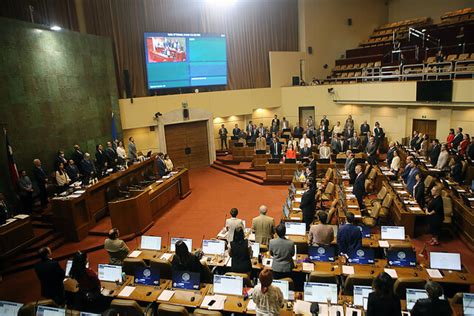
(263, 226)
(117, 248)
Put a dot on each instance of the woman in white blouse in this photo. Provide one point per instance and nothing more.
(121, 151)
(267, 297)
(443, 158)
(395, 165)
(324, 151)
(62, 179)
(168, 163)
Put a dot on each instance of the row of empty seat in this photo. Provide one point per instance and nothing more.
(457, 16)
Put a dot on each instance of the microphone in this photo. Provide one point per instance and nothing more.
(169, 241)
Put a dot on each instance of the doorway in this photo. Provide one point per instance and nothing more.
(187, 144)
(304, 113)
(425, 127)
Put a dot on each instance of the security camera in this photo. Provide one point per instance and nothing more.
(157, 114)
(331, 90)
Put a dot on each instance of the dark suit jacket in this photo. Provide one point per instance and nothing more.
(434, 154)
(348, 133)
(386, 306)
(419, 194)
(308, 206)
(429, 307)
(305, 152)
(405, 173)
(359, 186)
(414, 142)
(470, 151)
(275, 149)
(77, 156)
(457, 140)
(73, 172)
(349, 238)
(456, 173)
(313, 165)
(390, 155)
(101, 159)
(298, 132)
(371, 149)
(161, 167)
(354, 143)
(51, 277)
(319, 141)
(40, 176)
(379, 134)
(111, 154)
(325, 122)
(236, 132)
(87, 167)
(364, 128)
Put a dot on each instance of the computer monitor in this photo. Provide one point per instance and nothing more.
(9, 308)
(362, 256)
(50, 311)
(213, 247)
(361, 294)
(110, 273)
(229, 285)
(261, 152)
(401, 257)
(255, 249)
(414, 295)
(187, 241)
(445, 261)
(147, 276)
(284, 286)
(365, 230)
(289, 160)
(69, 266)
(468, 303)
(322, 253)
(286, 211)
(392, 232)
(151, 243)
(88, 314)
(186, 280)
(320, 292)
(294, 228)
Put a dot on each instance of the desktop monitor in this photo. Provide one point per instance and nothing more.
(294, 228)
(468, 303)
(445, 261)
(365, 230)
(151, 243)
(9, 308)
(50, 311)
(147, 276)
(187, 241)
(286, 211)
(228, 285)
(320, 292)
(255, 249)
(109, 272)
(414, 295)
(361, 295)
(322, 253)
(401, 257)
(284, 286)
(185, 280)
(69, 266)
(213, 247)
(362, 256)
(392, 232)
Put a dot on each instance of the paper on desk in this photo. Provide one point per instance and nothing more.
(218, 304)
(402, 192)
(470, 199)
(297, 199)
(353, 206)
(353, 311)
(126, 291)
(461, 190)
(251, 306)
(80, 191)
(350, 196)
(159, 181)
(294, 218)
(383, 244)
(302, 308)
(134, 254)
(433, 169)
(308, 266)
(166, 295)
(22, 216)
(165, 177)
(323, 310)
(357, 215)
(300, 191)
(434, 273)
(348, 270)
(166, 256)
(267, 262)
(229, 262)
(414, 208)
(252, 237)
(297, 209)
(391, 272)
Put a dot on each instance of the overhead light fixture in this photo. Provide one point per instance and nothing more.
(221, 2)
(55, 28)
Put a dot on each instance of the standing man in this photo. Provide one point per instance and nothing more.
(162, 171)
(285, 124)
(115, 247)
(223, 136)
(77, 155)
(111, 154)
(391, 149)
(298, 131)
(310, 123)
(275, 124)
(41, 180)
(378, 134)
(359, 187)
(263, 226)
(308, 203)
(132, 149)
(236, 132)
(305, 141)
(435, 151)
(371, 151)
(282, 251)
(232, 223)
(364, 129)
(350, 165)
(325, 121)
(249, 129)
(101, 158)
(275, 148)
(349, 237)
(457, 138)
(51, 276)
(354, 142)
(26, 192)
(411, 177)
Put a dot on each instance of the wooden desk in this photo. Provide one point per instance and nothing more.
(243, 153)
(146, 293)
(259, 161)
(183, 297)
(15, 233)
(172, 189)
(282, 171)
(133, 215)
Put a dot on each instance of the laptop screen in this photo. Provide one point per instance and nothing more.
(284, 286)
(151, 243)
(213, 247)
(50, 311)
(322, 253)
(293, 228)
(187, 241)
(186, 280)
(468, 303)
(365, 230)
(69, 266)
(88, 314)
(230, 285)
(392, 232)
(286, 211)
(362, 256)
(361, 292)
(110, 273)
(320, 292)
(445, 261)
(255, 249)
(9, 308)
(147, 276)
(401, 258)
(414, 295)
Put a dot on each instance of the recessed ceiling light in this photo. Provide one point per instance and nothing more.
(55, 28)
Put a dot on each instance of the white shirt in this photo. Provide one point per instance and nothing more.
(324, 152)
(303, 141)
(121, 152)
(395, 165)
(337, 129)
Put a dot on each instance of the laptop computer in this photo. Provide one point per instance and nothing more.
(401, 258)
(320, 292)
(69, 266)
(150, 243)
(362, 256)
(322, 253)
(109, 272)
(255, 249)
(445, 261)
(213, 247)
(365, 230)
(228, 285)
(147, 276)
(187, 241)
(361, 295)
(295, 228)
(414, 295)
(468, 303)
(50, 311)
(185, 280)
(392, 232)
(9, 308)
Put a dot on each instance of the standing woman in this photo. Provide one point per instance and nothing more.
(122, 155)
(382, 301)
(290, 152)
(436, 213)
(450, 137)
(240, 252)
(62, 179)
(395, 165)
(267, 297)
(168, 163)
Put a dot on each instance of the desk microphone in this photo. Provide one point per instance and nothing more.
(169, 241)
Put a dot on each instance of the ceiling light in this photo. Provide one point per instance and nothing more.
(55, 28)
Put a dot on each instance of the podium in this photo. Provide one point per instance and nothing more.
(132, 215)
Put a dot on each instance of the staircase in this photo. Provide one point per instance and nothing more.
(232, 167)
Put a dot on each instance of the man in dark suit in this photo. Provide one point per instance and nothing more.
(350, 165)
(101, 159)
(249, 129)
(298, 131)
(457, 138)
(407, 169)
(433, 305)
(354, 142)
(349, 132)
(262, 130)
(87, 167)
(51, 276)
(419, 190)
(305, 151)
(321, 138)
(73, 171)
(411, 177)
(275, 148)
(391, 149)
(41, 181)
(359, 186)
(371, 151)
(308, 203)
(349, 236)
(434, 152)
(325, 121)
(470, 149)
(223, 136)
(275, 124)
(414, 140)
(342, 145)
(236, 132)
(77, 155)
(161, 165)
(379, 134)
(364, 128)
(112, 157)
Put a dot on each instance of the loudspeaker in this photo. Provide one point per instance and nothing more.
(128, 86)
(185, 114)
(296, 80)
(349, 21)
(310, 50)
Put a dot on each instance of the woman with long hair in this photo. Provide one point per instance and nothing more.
(382, 301)
(183, 260)
(62, 179)
(267, 298)
(240, 252)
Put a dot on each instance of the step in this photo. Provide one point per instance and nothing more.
(236, 174)
(54, 241)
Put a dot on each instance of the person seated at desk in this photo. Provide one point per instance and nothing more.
(88, 167)
(263, 226)
(240, 252)
(62, 179)
(436, 215)
(324, 151)
(161, 165)
(232, 223)
(305, 151)
(290, 152)
(282, 250)
(419, 190)
(115, 247)
(321, 233)
(267, 298)
(183, 260)
(275, 149)
(349, 237)
(168, 163)
(73, 171)
(382, 301)
(443, 158)
(433, 305)
(51, 276)
(395, 165)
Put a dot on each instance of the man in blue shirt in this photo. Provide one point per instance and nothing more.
(349, 237)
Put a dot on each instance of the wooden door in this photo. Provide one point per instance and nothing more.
(425, 127)
(304, 113)
(187, 144)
